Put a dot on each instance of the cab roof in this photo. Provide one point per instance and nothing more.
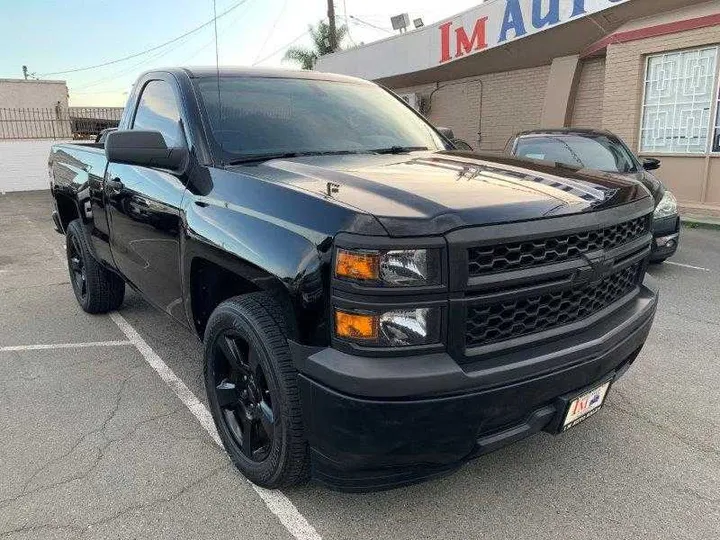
(240, 71)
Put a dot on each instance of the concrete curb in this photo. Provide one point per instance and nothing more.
(701, 222)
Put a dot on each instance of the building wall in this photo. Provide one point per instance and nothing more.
(498, 105)
(33, 109)
(17, 93)
(694, 179)
(454, 105)
(588, 106)
(512, 102)
(625, 67)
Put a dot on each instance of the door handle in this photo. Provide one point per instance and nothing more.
(115, 183)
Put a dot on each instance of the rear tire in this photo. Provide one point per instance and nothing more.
(97, 289)
(251, 384)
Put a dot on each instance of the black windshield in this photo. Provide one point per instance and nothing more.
(591, 151)
(273, 116)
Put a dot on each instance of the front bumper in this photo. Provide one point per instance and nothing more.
(666, 235)
(378, 423)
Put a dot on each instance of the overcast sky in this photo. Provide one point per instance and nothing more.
(50, 35)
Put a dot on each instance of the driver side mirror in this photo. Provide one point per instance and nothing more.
(650, 164)
(144, 148)
(446, 132)
(459, 144)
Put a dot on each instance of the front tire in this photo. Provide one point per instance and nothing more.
(97, 289)
(252, 389)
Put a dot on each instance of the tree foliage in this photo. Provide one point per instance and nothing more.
(320, 35)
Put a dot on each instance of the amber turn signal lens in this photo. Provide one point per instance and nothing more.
(356, 325)
(357, 265)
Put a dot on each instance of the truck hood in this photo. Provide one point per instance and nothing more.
(434, 192)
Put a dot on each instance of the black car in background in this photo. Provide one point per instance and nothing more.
(606, 152)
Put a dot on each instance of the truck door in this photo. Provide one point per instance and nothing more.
(143, 206)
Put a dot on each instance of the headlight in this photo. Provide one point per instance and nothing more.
(394, 328)
(390, 268)
(667, 206)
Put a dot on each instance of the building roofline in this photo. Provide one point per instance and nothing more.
(35, 81)
(425, 28)
(651, 31)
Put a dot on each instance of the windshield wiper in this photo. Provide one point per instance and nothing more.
(253, 158)
(398, 149)
(259, 157)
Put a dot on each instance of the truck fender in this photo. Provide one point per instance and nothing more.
(261, 253)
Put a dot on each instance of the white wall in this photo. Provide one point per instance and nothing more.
(23, 164)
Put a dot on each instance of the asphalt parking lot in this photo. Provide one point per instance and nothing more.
(100, 437)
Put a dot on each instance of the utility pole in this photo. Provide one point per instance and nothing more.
(333, 32)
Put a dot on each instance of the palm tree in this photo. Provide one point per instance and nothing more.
(320, 35)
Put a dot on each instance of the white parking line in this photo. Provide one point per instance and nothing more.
(688, 266)
(50, 346)
(276, 501)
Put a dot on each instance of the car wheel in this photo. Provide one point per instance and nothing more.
(97, 289)
(252, 389)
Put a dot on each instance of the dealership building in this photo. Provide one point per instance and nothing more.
(647, 70)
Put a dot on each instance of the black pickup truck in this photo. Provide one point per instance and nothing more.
(376, 307)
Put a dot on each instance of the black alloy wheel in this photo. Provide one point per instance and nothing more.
(77, 268)
(97, 289)
(243, 395)
(252, 388)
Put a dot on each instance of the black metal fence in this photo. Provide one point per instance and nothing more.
(57, 122)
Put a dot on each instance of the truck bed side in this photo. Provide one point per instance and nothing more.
(76, 178)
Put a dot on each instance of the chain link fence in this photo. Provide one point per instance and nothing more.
(57, 122)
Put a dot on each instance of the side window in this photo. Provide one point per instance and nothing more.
(158, 110)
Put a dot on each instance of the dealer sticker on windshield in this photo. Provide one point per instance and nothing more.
(585, 406)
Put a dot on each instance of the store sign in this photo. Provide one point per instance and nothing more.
(507, 21)
(488, 25)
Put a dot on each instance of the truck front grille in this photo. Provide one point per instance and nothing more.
(501, 321)
(518, 255)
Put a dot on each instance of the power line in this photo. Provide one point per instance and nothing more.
(133, 68)
(230, 24)
(198, 51)
(272, 30)
(196, 29)
(347, 24)
(123, 71)
(280, 49)
(354, 18)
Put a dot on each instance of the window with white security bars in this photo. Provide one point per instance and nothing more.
(716, 129)
(678, 102)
